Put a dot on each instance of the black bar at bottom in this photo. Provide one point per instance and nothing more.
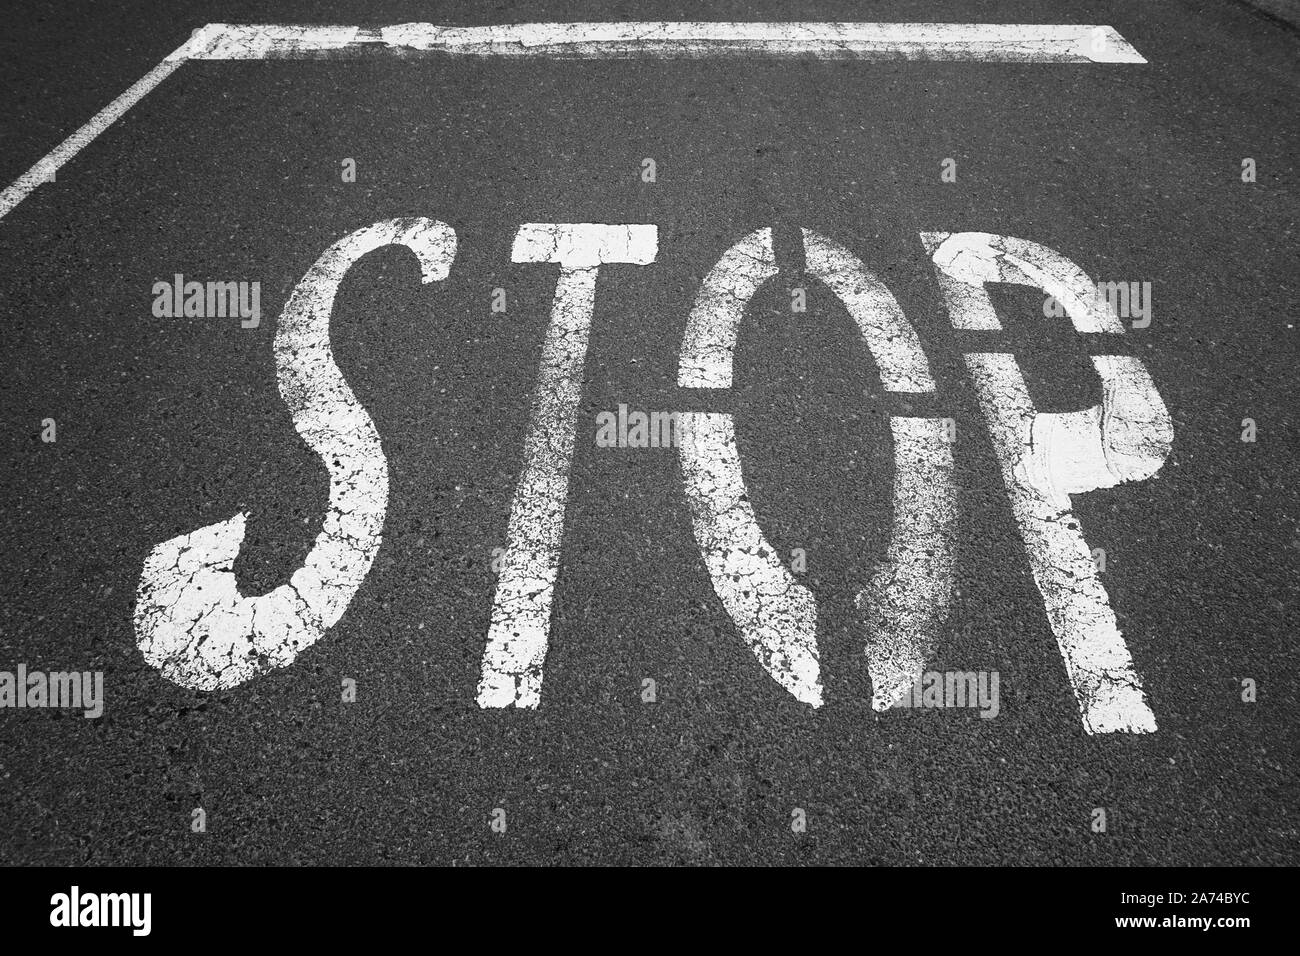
(332, 906)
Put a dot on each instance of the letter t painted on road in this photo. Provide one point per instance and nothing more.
(521, 608)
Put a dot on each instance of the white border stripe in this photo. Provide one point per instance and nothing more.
(987, 42)
(996, 42)
(52, 161)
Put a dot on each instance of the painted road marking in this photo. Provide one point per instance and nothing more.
(1124, 439)
(775, 614)
(907, 600)
(890, 338)
(521, 609)
(45, 170)
(995, 42)
(972, 42)
(910, 595)
(1046, 457)
(193, 625)
(191, 621)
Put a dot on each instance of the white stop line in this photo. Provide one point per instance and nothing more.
(980, 42)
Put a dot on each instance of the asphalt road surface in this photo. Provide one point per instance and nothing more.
(234, 170)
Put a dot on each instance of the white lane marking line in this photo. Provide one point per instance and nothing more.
(776, 616)
(191, 621)
(988, 42)
(521, 608)
(54, 160)
(907, 601)
(1046, 457)
(265, 41)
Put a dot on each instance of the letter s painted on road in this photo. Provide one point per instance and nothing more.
(191, 621)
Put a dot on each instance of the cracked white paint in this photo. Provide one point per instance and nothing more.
(709, 342)
(191, 621)
(1046, 457)
(889, 336)
(907, 600)
(998, 42)
(909, 596)
(967, 260)
(521, 609)
(775, 614)
(263, 41)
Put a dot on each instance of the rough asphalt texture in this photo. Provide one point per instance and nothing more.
(230, 171)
